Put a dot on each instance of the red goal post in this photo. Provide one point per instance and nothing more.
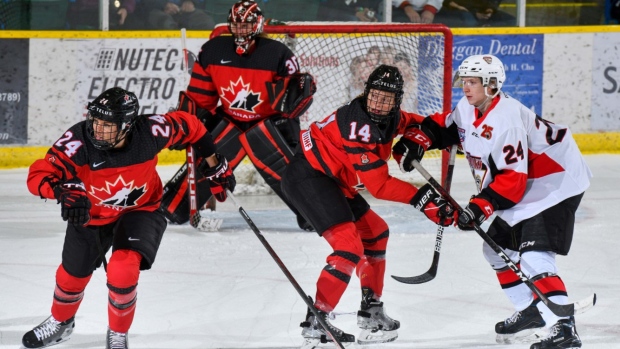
(341, 55)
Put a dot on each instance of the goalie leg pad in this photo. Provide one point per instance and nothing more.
(270, 153)
(175, 204)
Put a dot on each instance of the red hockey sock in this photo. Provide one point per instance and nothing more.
(337, 273)
(374, 233)
(123, 273)
(67, 294)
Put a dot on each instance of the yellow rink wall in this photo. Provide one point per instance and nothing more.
(16, 157)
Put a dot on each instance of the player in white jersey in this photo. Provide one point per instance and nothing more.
(529, 172)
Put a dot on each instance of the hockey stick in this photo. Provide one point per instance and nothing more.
(558, 309)
(195, 220)
(285, 270)
(432, 271)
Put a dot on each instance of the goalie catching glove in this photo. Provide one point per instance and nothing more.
(74, 204)
(411, 146)
(292, 96)
(435, 207)
(478, 210)
(220, 177)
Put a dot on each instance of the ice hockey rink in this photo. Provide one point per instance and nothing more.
(223, 289)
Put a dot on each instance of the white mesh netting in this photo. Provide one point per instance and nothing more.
(340, 56)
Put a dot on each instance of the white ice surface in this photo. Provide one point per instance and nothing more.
(223, 290)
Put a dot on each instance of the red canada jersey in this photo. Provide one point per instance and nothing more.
(117, 180)
(239, 81)
(350, 148)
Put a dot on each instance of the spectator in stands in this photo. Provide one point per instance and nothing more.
(346, 10)
(159, 14)
(413, 11)
(474, 13)
(190, 17)
(84, 14)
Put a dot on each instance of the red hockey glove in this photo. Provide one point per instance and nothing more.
(436, 208)
(220, 177)
(478, 210)
(74, 204)
(410, 147)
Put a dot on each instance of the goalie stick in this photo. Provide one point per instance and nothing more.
(561, 310)
(195, 220)
(306, 298)
(432, 271)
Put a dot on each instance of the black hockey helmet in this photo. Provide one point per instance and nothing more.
(114, 105)
(246, 11)
(384, 78)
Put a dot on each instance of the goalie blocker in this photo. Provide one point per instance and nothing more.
(292, 95)
(267, 144)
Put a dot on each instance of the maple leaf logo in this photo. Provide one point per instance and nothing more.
(118, 195)
(239, 96)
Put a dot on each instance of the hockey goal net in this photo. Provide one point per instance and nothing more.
(341, 56)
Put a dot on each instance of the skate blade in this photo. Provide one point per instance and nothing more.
(323, 342)
(525, 336)
(310, 343)
(367, 337)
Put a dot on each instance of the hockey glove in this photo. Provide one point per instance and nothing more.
(478, 210)
(220, 177)
(410, 147)
(74, 204)
(436, 208)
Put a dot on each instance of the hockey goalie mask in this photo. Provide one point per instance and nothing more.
(245, 22)
(111, 117)
(487, 67)
(383, 93)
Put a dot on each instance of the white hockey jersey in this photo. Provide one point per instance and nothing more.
(523, 158)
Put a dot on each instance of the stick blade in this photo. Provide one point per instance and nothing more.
(571, 309)
(420, 279)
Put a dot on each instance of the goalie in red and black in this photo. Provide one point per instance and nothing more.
(248, 91)
(339, 156)
(103, 173)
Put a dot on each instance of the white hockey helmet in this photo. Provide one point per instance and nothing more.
(487, 67)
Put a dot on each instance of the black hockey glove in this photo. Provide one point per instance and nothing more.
(478, 210)
(74, 204)
(220, 177)
(410, 147)
(435, 207)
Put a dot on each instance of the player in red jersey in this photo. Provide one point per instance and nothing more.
(339, 156)
(529, 172)
(234, 83)
(103, 173)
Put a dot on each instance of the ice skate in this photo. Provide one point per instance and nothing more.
(376, 326)
(314, 333)
(48, 333)
(562, 335)
(523, 326)
(116, 340)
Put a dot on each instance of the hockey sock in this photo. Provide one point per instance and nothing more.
(336, 275)
(553, 287)
(68, 294)
(519, 294)
(374, 233)
(123, 273)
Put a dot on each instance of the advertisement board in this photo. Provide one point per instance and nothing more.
(605, 82)
(522, 56)
(14, 91)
